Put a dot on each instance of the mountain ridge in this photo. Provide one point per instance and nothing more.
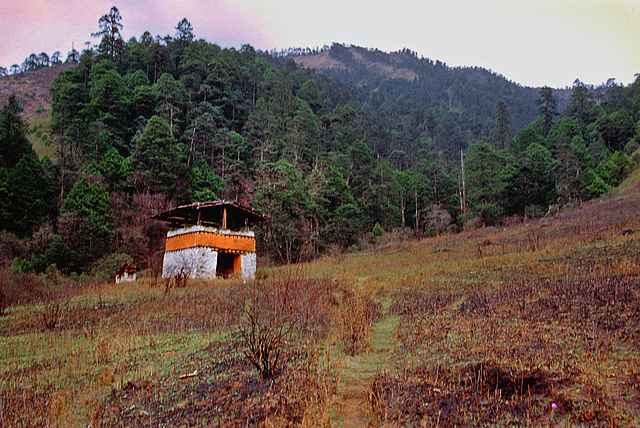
(470, 90)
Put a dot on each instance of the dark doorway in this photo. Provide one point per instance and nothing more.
(227, 264)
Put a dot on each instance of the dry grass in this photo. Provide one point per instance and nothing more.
(534, 324)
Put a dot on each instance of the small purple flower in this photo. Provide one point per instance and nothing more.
(554, 406)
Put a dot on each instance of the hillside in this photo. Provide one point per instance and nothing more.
(538, 322)
(32, 89)
(325, 61)
(470, 90)
(377, 144)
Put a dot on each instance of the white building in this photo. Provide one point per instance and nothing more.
(210, 240)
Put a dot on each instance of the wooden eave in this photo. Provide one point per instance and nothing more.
(218, 214)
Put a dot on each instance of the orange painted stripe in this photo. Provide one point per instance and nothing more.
(242, 244)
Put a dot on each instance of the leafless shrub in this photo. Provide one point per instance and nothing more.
(553, 211)
(356, 316)
(436, 219)
(11, 247)
(533, 238)
(335, 250)
(395, 236)
(473, 223)
(178, 279)
(512, 220)
(266, 338)
(55, 295)
(51, 314)
(480, 245)
(276, 309)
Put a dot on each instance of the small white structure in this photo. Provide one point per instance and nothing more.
(126, 273)
(210, 240)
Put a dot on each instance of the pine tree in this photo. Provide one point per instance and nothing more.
(111, 43)
(157, 160)
(547, 109)
(501, 134)
(13, 140)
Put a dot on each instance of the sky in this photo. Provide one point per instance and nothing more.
(531, 42)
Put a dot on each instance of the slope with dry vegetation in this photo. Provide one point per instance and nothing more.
(32, 90)
(534, 324)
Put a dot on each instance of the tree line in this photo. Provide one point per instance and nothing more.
(143, 125)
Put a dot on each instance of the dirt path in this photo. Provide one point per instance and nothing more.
(351, 405)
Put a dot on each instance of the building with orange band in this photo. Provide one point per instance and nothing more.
(210, 240)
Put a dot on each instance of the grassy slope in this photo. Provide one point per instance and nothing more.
(33, 91)
(490, 326)
(540, 298)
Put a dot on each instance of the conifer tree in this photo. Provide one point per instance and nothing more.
(111, 43)
(13, 140)
(547, 109)
(501, 135)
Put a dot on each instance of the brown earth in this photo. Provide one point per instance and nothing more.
(32, 88)
(322, 61)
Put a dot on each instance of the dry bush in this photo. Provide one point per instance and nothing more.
(436, 220)
(56, 294)
(356, 315)
(396, 235)
(24, 288)
(179, 279)
(51, 314)
(534, 236)
(473, 223)
(226, 393)
(512, 220)
(335, 250)
(277, 308)
(11, 247)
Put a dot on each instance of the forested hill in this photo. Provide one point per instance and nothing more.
(471, 91)
(338, 159)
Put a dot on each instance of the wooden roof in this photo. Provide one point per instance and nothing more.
(214, 214)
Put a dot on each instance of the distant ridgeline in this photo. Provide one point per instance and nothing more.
(328, 144)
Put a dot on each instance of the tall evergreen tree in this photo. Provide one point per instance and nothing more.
(157, 159)
(501, 134)
(581, 104)
(111, 43)
(547, 109)
(13, 140)
(184, 32)
(483, 168)
(85, 224)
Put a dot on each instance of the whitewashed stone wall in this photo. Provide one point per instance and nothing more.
(248, 265)
(196, 262)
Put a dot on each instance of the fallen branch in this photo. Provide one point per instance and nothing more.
(187, 375)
